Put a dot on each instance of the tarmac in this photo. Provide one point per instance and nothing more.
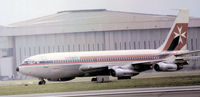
(180, 91)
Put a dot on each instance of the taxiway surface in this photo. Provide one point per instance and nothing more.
(181, 91)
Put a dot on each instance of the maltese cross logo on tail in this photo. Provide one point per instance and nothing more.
(180, 34)
(178, 37)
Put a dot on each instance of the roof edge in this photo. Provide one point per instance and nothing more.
(84, 10)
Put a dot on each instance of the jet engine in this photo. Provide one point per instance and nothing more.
(121, 72)
(161, 66)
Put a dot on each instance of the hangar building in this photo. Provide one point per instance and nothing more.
(87, 30)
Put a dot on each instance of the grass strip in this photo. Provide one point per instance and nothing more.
(114, 84)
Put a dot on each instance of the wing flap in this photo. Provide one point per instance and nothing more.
(147, 62)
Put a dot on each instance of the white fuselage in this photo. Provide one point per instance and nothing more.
(67, 64)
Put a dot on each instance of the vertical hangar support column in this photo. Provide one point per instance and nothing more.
(14, 57)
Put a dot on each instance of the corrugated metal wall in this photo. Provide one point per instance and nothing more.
(6, 57)
(96, 41)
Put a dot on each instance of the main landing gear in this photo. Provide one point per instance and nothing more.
(100, 79)
(42, 82)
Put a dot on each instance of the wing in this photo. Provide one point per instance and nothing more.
(147, 62)
(104, 69)
(144, 65)
(94, 69)
(191, 55)
(132, 68)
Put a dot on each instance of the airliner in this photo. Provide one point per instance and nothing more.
(172, 55)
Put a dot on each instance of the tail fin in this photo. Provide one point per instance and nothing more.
(177, 37)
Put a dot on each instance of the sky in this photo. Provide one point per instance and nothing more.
(12, 11)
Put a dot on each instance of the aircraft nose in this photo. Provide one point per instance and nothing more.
(17, 69)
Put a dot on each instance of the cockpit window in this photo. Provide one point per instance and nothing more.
(25, 62)
(29, 62)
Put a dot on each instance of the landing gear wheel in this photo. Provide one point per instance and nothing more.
(42, 82)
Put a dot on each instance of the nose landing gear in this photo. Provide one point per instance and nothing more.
(42, 82)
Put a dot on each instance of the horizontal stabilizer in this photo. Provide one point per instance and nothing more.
(188, 53)
(188, 58)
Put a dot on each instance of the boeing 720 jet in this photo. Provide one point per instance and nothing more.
(172, 55)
